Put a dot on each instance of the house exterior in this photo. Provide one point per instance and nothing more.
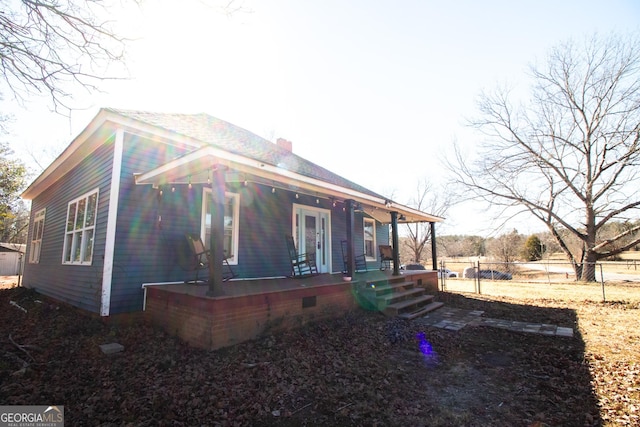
(111, 212)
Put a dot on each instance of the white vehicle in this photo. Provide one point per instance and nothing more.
(445, 272)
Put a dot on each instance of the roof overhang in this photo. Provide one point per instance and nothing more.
(95, 134)
(195, 167)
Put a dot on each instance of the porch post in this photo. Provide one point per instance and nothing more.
(350, 220)
(394, 243)
(434, 254)
(217, 231)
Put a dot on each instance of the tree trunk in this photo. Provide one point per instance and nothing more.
(589, 256)
(578, 268)
(589, 267)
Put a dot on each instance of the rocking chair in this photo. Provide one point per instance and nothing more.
(301, 264)
(361, 260)
(202, 256)
(386, 256)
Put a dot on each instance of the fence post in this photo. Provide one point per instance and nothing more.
(478, 278)
(442, 282)
(602, 280)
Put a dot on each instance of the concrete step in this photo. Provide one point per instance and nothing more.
(398, 296)
(408, 305)
(388, 288)
(421, 311)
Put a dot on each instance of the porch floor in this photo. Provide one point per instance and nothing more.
(236, 288)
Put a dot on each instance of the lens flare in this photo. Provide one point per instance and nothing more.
(429, 355)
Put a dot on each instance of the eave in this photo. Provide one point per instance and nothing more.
(194, 167)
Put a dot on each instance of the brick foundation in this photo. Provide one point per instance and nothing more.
(424, 279)
(213, 323)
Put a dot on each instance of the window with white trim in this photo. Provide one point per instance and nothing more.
(36, 237)
(231, 215)
(369, 227)
(80, 229)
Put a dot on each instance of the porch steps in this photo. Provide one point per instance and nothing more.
(395, 297)
(421, 311)
(399, 297)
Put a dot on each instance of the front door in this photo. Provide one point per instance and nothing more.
(312, 231)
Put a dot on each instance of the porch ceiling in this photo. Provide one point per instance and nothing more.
(195, 167)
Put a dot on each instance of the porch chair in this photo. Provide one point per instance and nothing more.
(386, 256)
(361, 260)
(301, 264)
(201, 256)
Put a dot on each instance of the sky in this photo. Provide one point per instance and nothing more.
(376, 91)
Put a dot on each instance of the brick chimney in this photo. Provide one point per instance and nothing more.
(283, 143)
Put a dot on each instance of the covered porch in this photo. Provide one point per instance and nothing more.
(246, 309)
(219, 170)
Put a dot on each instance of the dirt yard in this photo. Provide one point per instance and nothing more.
(7, 282)
(360, 370)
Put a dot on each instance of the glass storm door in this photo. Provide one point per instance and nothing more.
(312, 234)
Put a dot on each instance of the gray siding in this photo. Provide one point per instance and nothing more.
(148, 250)
(80, 285)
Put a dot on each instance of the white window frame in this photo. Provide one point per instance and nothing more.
(234, 230)
(372, 256)
(36, 236)
(81, 234)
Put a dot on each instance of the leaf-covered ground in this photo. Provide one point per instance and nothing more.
(362, 369)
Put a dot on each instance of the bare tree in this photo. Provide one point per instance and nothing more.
(570, 156)
(461, 246)
(47, 46)
(52, 47)
(419, 234)
(507, 247)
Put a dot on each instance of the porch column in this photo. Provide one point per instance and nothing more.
(350, 220)
(394, 243)
(217, 231)
(434, 255)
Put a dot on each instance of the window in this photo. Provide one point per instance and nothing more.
(80, 230)
(369, 238)
(36, 237)
(231, 213)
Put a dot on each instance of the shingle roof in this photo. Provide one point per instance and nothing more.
(234, 139)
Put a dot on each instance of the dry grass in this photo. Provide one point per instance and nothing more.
(608, 326)
(559, 289)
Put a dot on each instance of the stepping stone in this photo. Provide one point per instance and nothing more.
(111, 348)
(564, 332)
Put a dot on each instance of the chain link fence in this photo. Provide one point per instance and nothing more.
(613, 279)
